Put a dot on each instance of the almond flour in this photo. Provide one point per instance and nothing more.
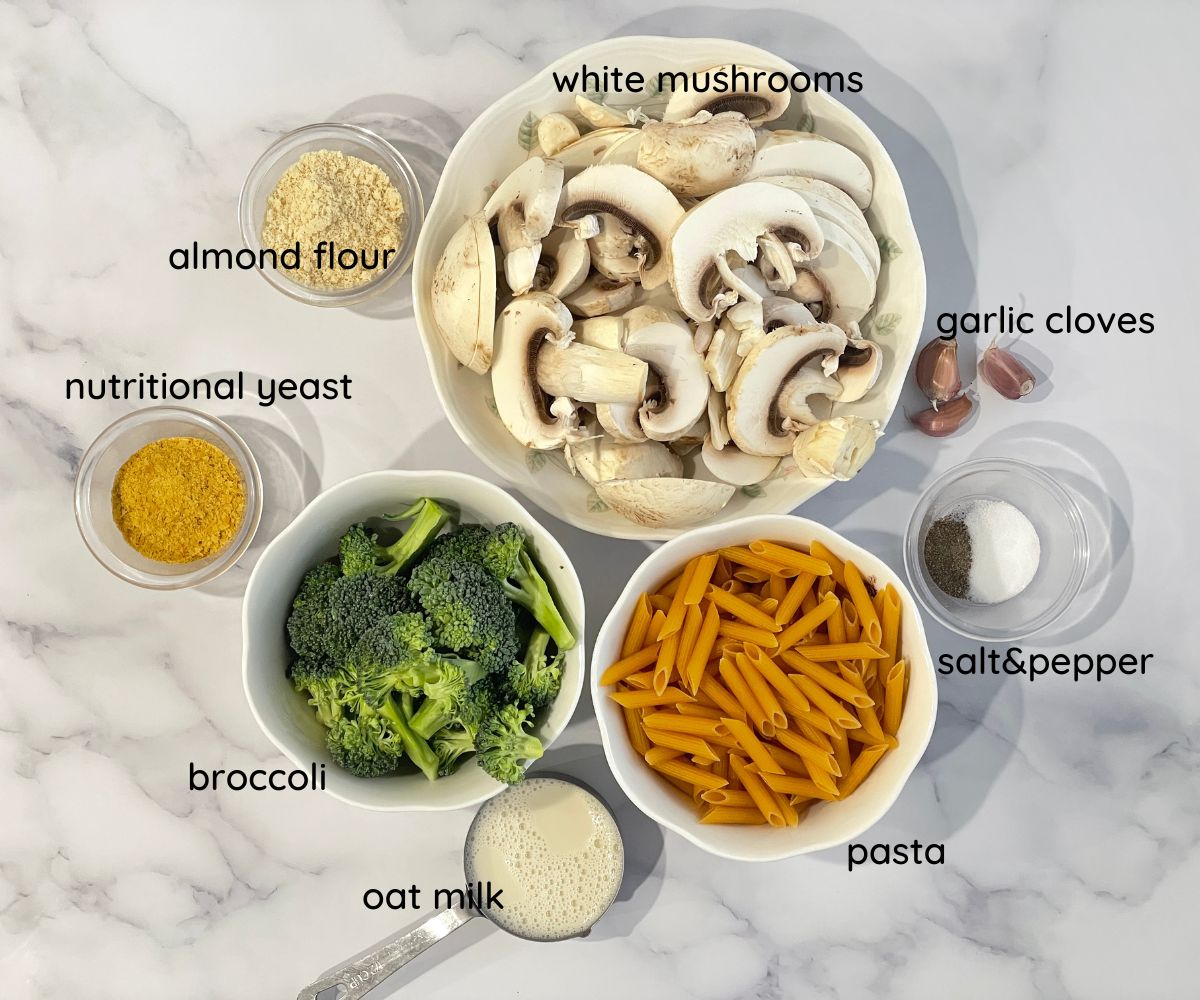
(345, 215)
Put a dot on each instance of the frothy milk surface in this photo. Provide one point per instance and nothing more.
(555, 851)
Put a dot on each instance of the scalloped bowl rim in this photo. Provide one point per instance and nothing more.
(762, 843)
(565, 582)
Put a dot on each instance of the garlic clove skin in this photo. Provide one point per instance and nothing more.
(1006, 373)
(944, 421)
(937, 370)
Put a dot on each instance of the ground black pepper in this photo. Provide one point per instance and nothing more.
(948, 555)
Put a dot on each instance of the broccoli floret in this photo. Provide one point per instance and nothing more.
(443, 692)
(356, 550)
(324, 687)
(355, 604)
(467, 610)
(538, 678)
(415, 746)
(360, 746)
(308, 622)
(502, 743)
(450, 744)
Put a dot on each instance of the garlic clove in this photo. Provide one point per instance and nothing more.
(1006, 373)
(943, 421)
(937, 370)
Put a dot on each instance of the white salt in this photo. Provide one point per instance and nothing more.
(1005, 550)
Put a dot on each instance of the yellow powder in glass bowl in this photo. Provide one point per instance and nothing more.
(178, 499)
(348, 203)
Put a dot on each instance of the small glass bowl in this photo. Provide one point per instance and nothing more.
(353, 141)
(1059, 525)
(93, 495)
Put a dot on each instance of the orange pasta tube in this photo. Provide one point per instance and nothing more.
(643, 681)
(824, 702)
(722, 697)
(656, 755)
(748, 575)
(835, 685)
(850, 620)
(729, 797)
(809, 752)
(733, 816)
(693, 617)
(836, 626)
(790, 762)
(630, 664)
(763, 695)
(644, 699)
(722, 572)
(824, 653)
(686, 743)
(706, 638)
(664, 665)
(866, 713)
(841, 749)
(777, 589)
(696, 725)
(857, 589)
(702, 572)
(753, 746)
(819, 724)
(633, 726)
(789, 604)
(674, 620)
(635, 635)
(788, 785)
(893, 699)
(743, 610)
(789, 695)
(668, 589)
(806, 624)
(836, 566)
(690, 774)
(791, 558)
(737, 685)
(698, 711)
(862, 766)
(660, 602)
(741, 632)
(763, 798)
(890, 623)
(744, 557)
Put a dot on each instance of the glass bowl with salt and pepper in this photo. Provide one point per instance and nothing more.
(996, 550)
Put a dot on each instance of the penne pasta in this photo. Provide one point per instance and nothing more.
(763, 695)
(751, 576)
(633, 726)
(702, 571)
(741, 632)
(722, 571)
(825, 703)
(790, 697)
(893, 699)
(693, 617)
(890, 623)
(630, 664)
(656, 755)
(791, 558)
(777, 589)
(836, 566)
(706, 638)
(686, 743)
(850, 620)
(732, 604)
(664, 664)
(642, 681)
(644, 699)
(733, 816)
(810, 753)
(857, 589)
(807, 623)
(738, 797)
(841, 749)
(696, 725)
(837, 686)
(761, 795)
(867, 715)
(674, 620)
(696, 710)
(738, 687)
(789, 604)
(690, 774)
(744, 557)
(722, 697)
(635, 635)
(753, 746)
(788, 785)
(862, 766)
(659, 602)
(825, 652)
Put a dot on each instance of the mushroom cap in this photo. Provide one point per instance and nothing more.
(811, 155)
(589, 149)
(523, 207)
(846, 274)
(759, 104)
(665, 501)
(563, 265)
(463, 294)
(756, 423)
(637, 201)
(528, 324)
(598, 296)
(734, 220)
(602, 458)
(732, 465)
(778, 310)
(700, 155)
(682, 396)
(832, 203)
(858, 370)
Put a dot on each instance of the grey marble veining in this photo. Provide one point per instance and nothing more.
(1048, 151)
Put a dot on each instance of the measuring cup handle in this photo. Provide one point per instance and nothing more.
(362, 975)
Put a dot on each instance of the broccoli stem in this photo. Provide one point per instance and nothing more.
(428, 518)
(527, 588)
(418, 750)
(430, 717)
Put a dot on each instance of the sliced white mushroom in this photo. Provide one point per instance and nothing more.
(858, 369)
(602, 458)
(770, 394)
(590, 149)
(624, 148)
(681, 396)
(599, 295)
(811, 155)
(598, 115)
(699, 155)
(758, 103)
(692, 438)
(648, 314)
(665, 502)
(463, 294)
(721, 360)
(526, 326)
(607, 332)
(523, 207)
(641, 205)
(718, 426)
(732, 465)
(778, 310)
(835, 449)
(703, 335)
(620, 421)
(745, 220)
(563, 265)
(591, 374)
(554, 131)
(832, 203)
(846, 276)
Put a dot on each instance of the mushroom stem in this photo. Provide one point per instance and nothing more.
(741, 288)
(591, 374)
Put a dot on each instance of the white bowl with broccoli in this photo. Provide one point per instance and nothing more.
(417, 633)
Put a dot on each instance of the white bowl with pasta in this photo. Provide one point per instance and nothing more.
(827, 823)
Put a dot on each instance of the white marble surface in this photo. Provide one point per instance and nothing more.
(1049, 152)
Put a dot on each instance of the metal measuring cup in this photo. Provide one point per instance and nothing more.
(357, 978)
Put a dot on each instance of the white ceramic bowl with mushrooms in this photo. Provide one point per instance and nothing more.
(656, 311)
